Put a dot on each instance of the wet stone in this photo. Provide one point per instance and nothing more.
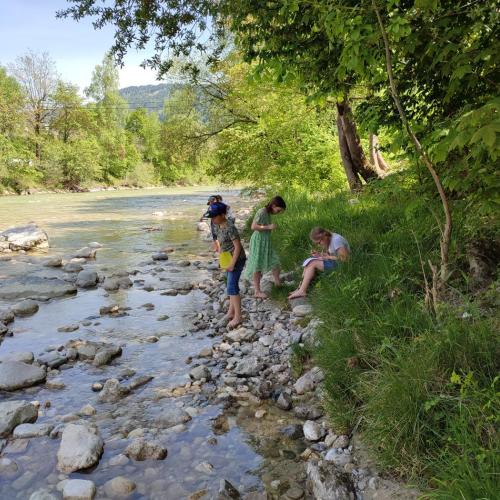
(32, 430)
(79, 489)
(119, 487)
(15, 375)
(26, 307)
(140, 450)
(293, 431)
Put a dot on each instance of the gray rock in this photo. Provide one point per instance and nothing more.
(53, 359)
(25, 237)
(72, 267)
(95, 244)
(6, 316)
(86, 253)
(69, 328)
(160, 256)
(302, 310)
(79, 489)
(339, 459)
(140, 381)
(284, 401)
(341, 442)
(42, 494)
(104, 356)
(200, 372)
(53, 262)
(313, 431)
(80, 448)
(248, 367)
(171, 417)
(86, 279)
(309, 380)
(35, 287)
(15, 375)
(119, 487)
(112, 391)
(21, 356)
(328, 483)
(26, 307)
(140, 449)
(32, 430)
(14, 413)
(8, 467)
(113, 283)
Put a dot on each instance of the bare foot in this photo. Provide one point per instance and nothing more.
(296, 294)
(228, 317)
(234, 323)
(260, 295)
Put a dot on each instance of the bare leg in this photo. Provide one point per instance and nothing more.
(276, 276)
(256, 285)
(235, 301)
(307, 277)
(230, 311)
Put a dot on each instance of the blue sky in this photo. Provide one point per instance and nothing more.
(75, 47)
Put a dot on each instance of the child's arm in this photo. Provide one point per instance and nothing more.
(236, 254)
(262, 227)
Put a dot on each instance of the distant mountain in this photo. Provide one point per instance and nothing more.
(150, 97)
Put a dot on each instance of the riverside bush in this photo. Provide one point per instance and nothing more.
(420, 387)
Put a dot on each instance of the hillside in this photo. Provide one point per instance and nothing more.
(150, 97)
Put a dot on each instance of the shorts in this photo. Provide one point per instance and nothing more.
(233, 278)
(330, 265)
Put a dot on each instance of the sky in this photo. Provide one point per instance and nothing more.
(75, 47)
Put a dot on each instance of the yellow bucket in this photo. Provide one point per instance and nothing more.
(225, 259)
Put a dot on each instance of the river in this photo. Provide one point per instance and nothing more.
(130, 228)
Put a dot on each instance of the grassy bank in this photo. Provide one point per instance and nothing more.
(419, 387)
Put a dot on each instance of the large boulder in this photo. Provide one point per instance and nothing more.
(14, 413)
(35, 287)
(6, 316)
(15, 375)
(80, 448)
(112, 283)
(25, 237)
(24, 431)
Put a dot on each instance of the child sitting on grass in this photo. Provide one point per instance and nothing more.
(229, 240)
(336, 250)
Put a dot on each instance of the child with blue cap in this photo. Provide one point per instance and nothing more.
(230, 243)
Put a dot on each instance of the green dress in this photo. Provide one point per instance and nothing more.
(262, 256)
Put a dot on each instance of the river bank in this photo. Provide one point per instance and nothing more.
(144, 360)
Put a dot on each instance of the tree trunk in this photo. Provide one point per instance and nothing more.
(376, 158)
(360, 164)
(350, 172)
(38, 153)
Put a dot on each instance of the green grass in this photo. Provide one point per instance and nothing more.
(389, 364)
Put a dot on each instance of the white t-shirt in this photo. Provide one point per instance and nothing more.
(337, 242)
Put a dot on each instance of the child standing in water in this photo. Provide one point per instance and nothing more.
(229, 240)
(263, 258)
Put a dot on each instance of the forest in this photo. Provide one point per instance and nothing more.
(376, 118)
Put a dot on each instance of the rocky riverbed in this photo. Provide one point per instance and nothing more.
(122, 382)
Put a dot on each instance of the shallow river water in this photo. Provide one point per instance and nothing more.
(123, 222)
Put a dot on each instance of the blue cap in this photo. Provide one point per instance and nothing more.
(216, 209)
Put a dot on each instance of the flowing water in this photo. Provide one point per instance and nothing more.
(124, 223)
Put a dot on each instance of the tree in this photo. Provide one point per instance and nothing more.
(11, 105)
(36, 73)
(70, 115)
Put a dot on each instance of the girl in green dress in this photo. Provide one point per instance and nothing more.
(262, 257)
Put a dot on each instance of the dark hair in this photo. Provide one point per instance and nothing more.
(277, 201)
(218, 197)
